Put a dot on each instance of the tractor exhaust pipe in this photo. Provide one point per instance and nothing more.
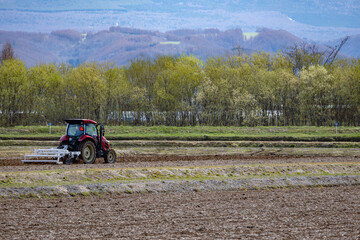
(102, 131)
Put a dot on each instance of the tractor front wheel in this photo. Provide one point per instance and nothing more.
(110, 156)
(88, 152)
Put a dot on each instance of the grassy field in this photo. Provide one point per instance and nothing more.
(303, 133)
(249, 35)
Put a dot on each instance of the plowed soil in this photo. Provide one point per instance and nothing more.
(316, 213)
(296, 213)
(172, 160)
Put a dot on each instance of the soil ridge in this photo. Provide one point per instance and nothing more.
(166, 186)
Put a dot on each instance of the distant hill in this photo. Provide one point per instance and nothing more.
(315, 20)
(272, 41)
(121, 45)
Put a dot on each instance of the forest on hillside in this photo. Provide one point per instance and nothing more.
(284, 89)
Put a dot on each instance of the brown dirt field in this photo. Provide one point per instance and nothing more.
(172, 160)
(304, 213)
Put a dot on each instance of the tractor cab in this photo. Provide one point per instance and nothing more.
(78, 130)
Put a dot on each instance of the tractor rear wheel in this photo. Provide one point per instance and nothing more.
(110, 156)
(88, 152)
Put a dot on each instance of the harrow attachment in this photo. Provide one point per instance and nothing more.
(52, 155)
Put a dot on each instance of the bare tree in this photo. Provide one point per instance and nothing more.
(303, 55)
(331, 55)
(7, 52)
(238, 49)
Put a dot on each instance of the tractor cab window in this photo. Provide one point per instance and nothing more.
(90, 129)
(75, 130)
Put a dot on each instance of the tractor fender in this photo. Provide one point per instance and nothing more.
(105, 143)
(87, 137)
(64, 138)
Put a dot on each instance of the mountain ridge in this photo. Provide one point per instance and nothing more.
(121, 45)
(315, 20)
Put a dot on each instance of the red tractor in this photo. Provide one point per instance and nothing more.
(83, 139)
